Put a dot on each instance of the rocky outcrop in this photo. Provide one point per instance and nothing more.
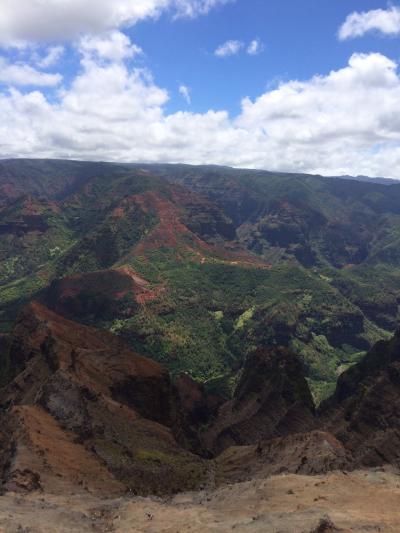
(271, 400)
(364, 412)
(81, 411)
(315, 452)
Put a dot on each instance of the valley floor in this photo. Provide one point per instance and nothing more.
(361, 501)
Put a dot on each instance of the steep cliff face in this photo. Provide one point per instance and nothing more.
(83, 411)
(364, 412)
(272, 399)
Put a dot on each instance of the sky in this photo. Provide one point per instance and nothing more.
(287, 85)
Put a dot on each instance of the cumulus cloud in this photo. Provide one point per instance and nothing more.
(345, 122)
(381, 20)
(255, 47)
(112, 46)
(184, 91)
(229, 48)
(23, 74)
(54, 20)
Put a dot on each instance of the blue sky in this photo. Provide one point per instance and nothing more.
(300, 39)
(142, 80)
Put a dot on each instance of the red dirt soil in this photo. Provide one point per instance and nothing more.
(171, 233)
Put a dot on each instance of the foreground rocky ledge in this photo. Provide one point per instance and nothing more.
(357, 502)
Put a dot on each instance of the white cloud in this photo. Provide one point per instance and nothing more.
(194, 8)
(255, 47)
(27, 21)
(381, 20)
(229, 48)
(184, 91)
(54, 54)
(346, 122)
(23, 74)
(113, 46)
(233, 47)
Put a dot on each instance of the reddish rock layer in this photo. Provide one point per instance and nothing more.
(78, 396)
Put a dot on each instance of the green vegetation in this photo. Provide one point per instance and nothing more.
(236, 260)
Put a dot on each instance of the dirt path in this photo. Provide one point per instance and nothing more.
(358, 502)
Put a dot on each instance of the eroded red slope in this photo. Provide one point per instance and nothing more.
(78, 396)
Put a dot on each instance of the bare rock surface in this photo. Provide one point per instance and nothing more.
(362, 501)
(311, 453)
